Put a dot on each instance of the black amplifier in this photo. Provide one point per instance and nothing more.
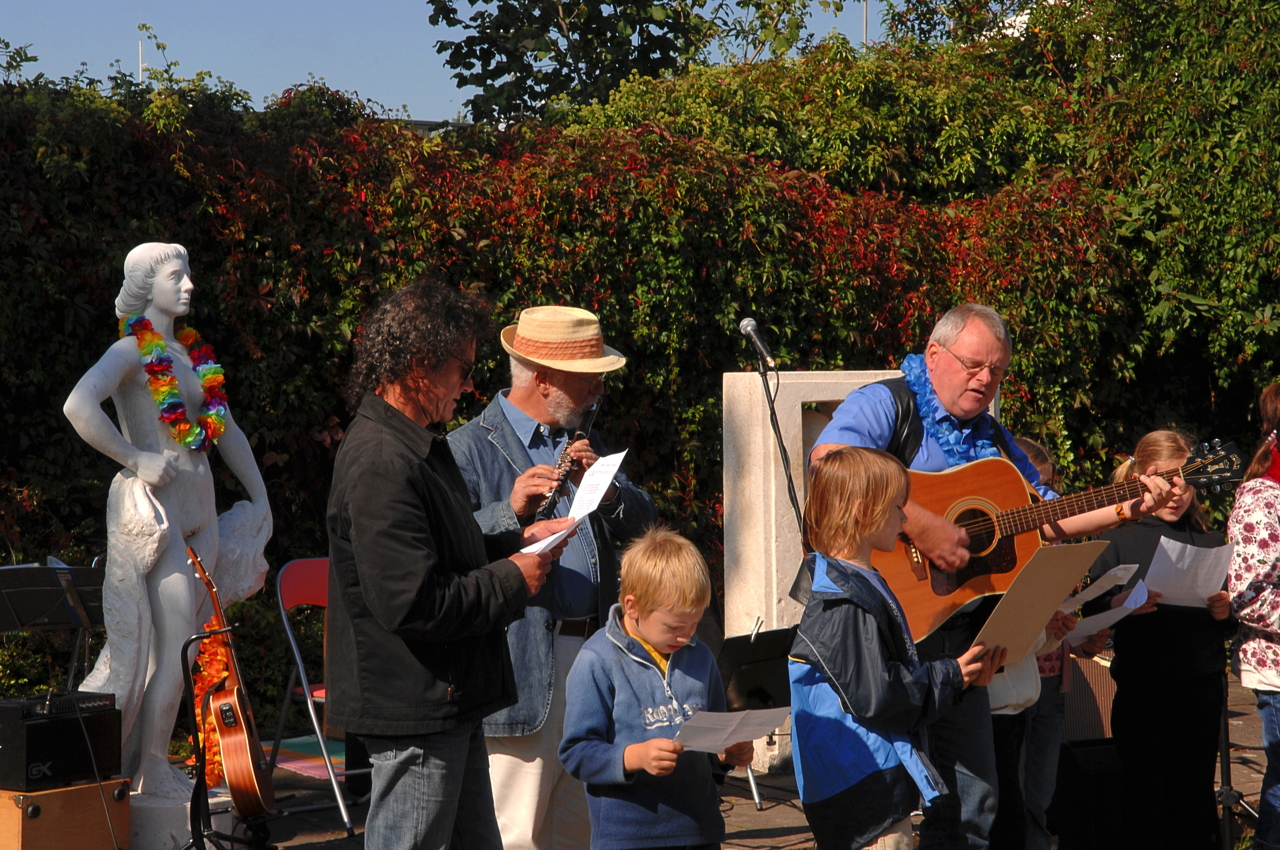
(42, 744)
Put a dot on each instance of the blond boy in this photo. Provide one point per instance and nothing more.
(633, 685)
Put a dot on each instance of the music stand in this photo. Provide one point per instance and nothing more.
(1228, 796)
(55, 596)
(753, 669)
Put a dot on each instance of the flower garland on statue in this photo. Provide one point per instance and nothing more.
(943, 432)
(201, 435)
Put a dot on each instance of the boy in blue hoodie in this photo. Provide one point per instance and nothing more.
(633, 685)
(859, 694)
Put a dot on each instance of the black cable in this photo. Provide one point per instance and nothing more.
(777, 435)
(93, 762)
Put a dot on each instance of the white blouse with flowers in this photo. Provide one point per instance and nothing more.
(1254, 581)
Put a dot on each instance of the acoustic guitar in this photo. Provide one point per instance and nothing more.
(245, 765)
(992, 502)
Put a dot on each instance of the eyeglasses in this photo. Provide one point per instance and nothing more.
(973, 367)
(469, 367)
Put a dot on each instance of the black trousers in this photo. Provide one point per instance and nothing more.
(1009, 832)
(1166, 734)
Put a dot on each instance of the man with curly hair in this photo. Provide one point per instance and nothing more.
(419, 596)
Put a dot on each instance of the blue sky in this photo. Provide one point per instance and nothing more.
(382, 49)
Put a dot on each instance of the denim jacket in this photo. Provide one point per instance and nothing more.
(491, 458)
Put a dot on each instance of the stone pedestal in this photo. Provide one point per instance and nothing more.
(762, 548)
(158, 824)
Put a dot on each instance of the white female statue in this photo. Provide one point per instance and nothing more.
(162, 502)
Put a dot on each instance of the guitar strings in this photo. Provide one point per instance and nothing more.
(1065, 505)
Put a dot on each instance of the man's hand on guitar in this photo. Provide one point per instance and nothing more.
(942, 542)
(979, 665)
(1158, 494)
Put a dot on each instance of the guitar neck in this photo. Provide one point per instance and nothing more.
(1029, 517)
(219, 619)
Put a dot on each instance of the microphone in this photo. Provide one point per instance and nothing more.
(751, 331)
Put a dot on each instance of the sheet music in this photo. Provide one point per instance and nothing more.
(1105, 582)
(595, 483)
(1027, 606)
(716, 731)
(1188, 575)
(1090, 626)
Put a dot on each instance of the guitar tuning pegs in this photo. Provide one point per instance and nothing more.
(1202, 490)
(1217, 488)
(1217, 444)
(1204, 447)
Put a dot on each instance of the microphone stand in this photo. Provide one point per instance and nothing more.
(770, 397)
(800, 587)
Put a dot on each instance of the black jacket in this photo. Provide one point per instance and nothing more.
(1173, 641)
(417, 600)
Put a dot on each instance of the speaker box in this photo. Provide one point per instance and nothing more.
(51, 753)
(1085, 815)
(66, 818)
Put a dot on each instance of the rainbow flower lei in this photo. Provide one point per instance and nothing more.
(212, 420)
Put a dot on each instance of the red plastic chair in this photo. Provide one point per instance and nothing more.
(306, 582)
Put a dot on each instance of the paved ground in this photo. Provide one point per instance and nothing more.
(781, 826)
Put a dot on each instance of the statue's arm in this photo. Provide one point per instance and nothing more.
(84, 409)
(238, 455)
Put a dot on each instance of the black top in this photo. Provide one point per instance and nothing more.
(418, 603)
(1173, 641)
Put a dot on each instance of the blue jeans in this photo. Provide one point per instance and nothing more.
(1267, 836)
(1040, 758)
(961, 747)
(431, 792)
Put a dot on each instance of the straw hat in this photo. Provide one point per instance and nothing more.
(565, 338)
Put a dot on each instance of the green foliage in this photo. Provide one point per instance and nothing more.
(523, 53)
(935, 127)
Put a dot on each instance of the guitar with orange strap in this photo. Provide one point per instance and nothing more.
(244, 763)
(990, 500)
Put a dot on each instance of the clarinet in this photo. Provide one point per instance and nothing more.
(563, 465)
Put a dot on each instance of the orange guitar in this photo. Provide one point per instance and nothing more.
(248, 774)
(990, 500)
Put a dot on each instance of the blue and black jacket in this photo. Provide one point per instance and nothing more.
(858, 697)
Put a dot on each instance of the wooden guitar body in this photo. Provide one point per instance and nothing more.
(243, 762)
(993, 503)
(966, 496)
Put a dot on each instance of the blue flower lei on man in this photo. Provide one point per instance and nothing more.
(944, 432)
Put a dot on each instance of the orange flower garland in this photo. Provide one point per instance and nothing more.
(214, 662)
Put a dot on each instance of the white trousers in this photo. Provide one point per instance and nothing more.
(539, 805)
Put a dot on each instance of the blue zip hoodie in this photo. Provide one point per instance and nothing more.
(858, 697)
(617, 696)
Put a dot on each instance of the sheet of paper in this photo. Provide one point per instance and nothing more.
(1034, 596)
(595, 483)
(714, 731)
(1105, 582)
(1090, 626)
(1188, 575)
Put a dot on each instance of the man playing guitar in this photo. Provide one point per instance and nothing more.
(936, 419)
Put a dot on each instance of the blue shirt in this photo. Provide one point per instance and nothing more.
(867, 416)
(576, 572)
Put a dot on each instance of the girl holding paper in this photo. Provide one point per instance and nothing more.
(1254, 582)
(1168, 667)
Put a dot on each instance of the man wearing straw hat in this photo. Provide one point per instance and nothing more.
(508, 456)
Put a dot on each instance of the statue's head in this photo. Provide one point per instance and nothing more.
(141, 266)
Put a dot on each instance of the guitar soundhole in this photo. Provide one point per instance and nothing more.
(981, 527)
(1002, 557)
